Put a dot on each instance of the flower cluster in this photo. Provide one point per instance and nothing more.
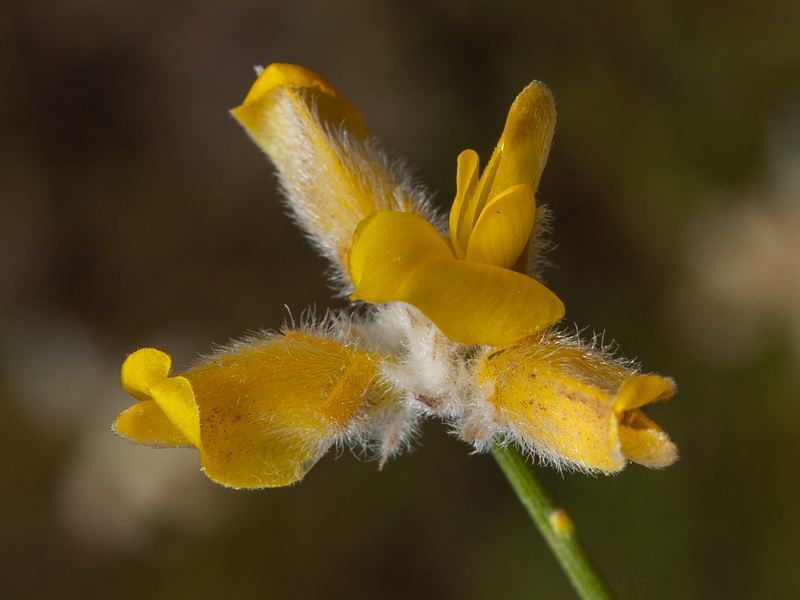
(456, 327)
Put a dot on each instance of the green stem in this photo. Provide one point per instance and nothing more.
(554, 524)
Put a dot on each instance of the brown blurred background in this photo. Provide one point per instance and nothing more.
(135, 212)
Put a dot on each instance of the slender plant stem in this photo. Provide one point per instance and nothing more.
(554, 524)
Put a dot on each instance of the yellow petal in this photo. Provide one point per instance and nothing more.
(142, 370)
(473, 303)
(270, 410)
(145, 423)
(144, 375)
(503, 228)
(640, 390)
(331, 174)
(642, 440)
(387, 247)
(462, 214)
(646, 443)
(522, 151)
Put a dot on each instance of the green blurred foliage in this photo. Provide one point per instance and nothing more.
(134, 212)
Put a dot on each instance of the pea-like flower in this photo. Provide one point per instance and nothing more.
(467, 284)
(563, 400)
(260, 414)
(457, 327)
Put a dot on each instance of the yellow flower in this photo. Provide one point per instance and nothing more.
(342, 192)
(575, 406)
(465, 284)
(261, 414)
(263, 411)
(330, 171)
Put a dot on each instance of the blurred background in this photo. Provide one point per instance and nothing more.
(135, 212)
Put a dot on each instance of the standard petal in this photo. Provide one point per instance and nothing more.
(504, 228)
(331, 174)
(474, 303)
(522, 151)
(387, 247)
(271, 407)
